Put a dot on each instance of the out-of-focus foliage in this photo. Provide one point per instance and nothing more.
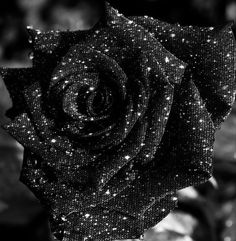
(205, 213)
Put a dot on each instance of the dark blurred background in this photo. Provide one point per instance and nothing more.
(205, 213)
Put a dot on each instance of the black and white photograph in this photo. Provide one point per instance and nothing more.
(118, 120)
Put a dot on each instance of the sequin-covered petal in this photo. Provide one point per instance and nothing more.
(116, 159)
(43, 41)
(139, 38)
(16, 80)
(210, 53)
(177, 165)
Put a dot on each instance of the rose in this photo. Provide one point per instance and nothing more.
(90, 116)
(105, 116)
(98, 109)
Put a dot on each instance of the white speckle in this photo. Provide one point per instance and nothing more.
(63, 218)
(127, 157)
(29, 27)
(31, 55)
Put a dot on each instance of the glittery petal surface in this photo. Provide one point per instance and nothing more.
(210, 53)
(116, 119)
(16, 80)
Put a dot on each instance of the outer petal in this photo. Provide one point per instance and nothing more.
(184, 158)
(210, 53)
(137, 37)
(16, 80)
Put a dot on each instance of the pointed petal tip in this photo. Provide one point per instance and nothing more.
(33, 33)
(45, 41)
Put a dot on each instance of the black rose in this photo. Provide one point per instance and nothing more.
(113, 121)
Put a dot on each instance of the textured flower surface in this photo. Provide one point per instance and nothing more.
(115, 119)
